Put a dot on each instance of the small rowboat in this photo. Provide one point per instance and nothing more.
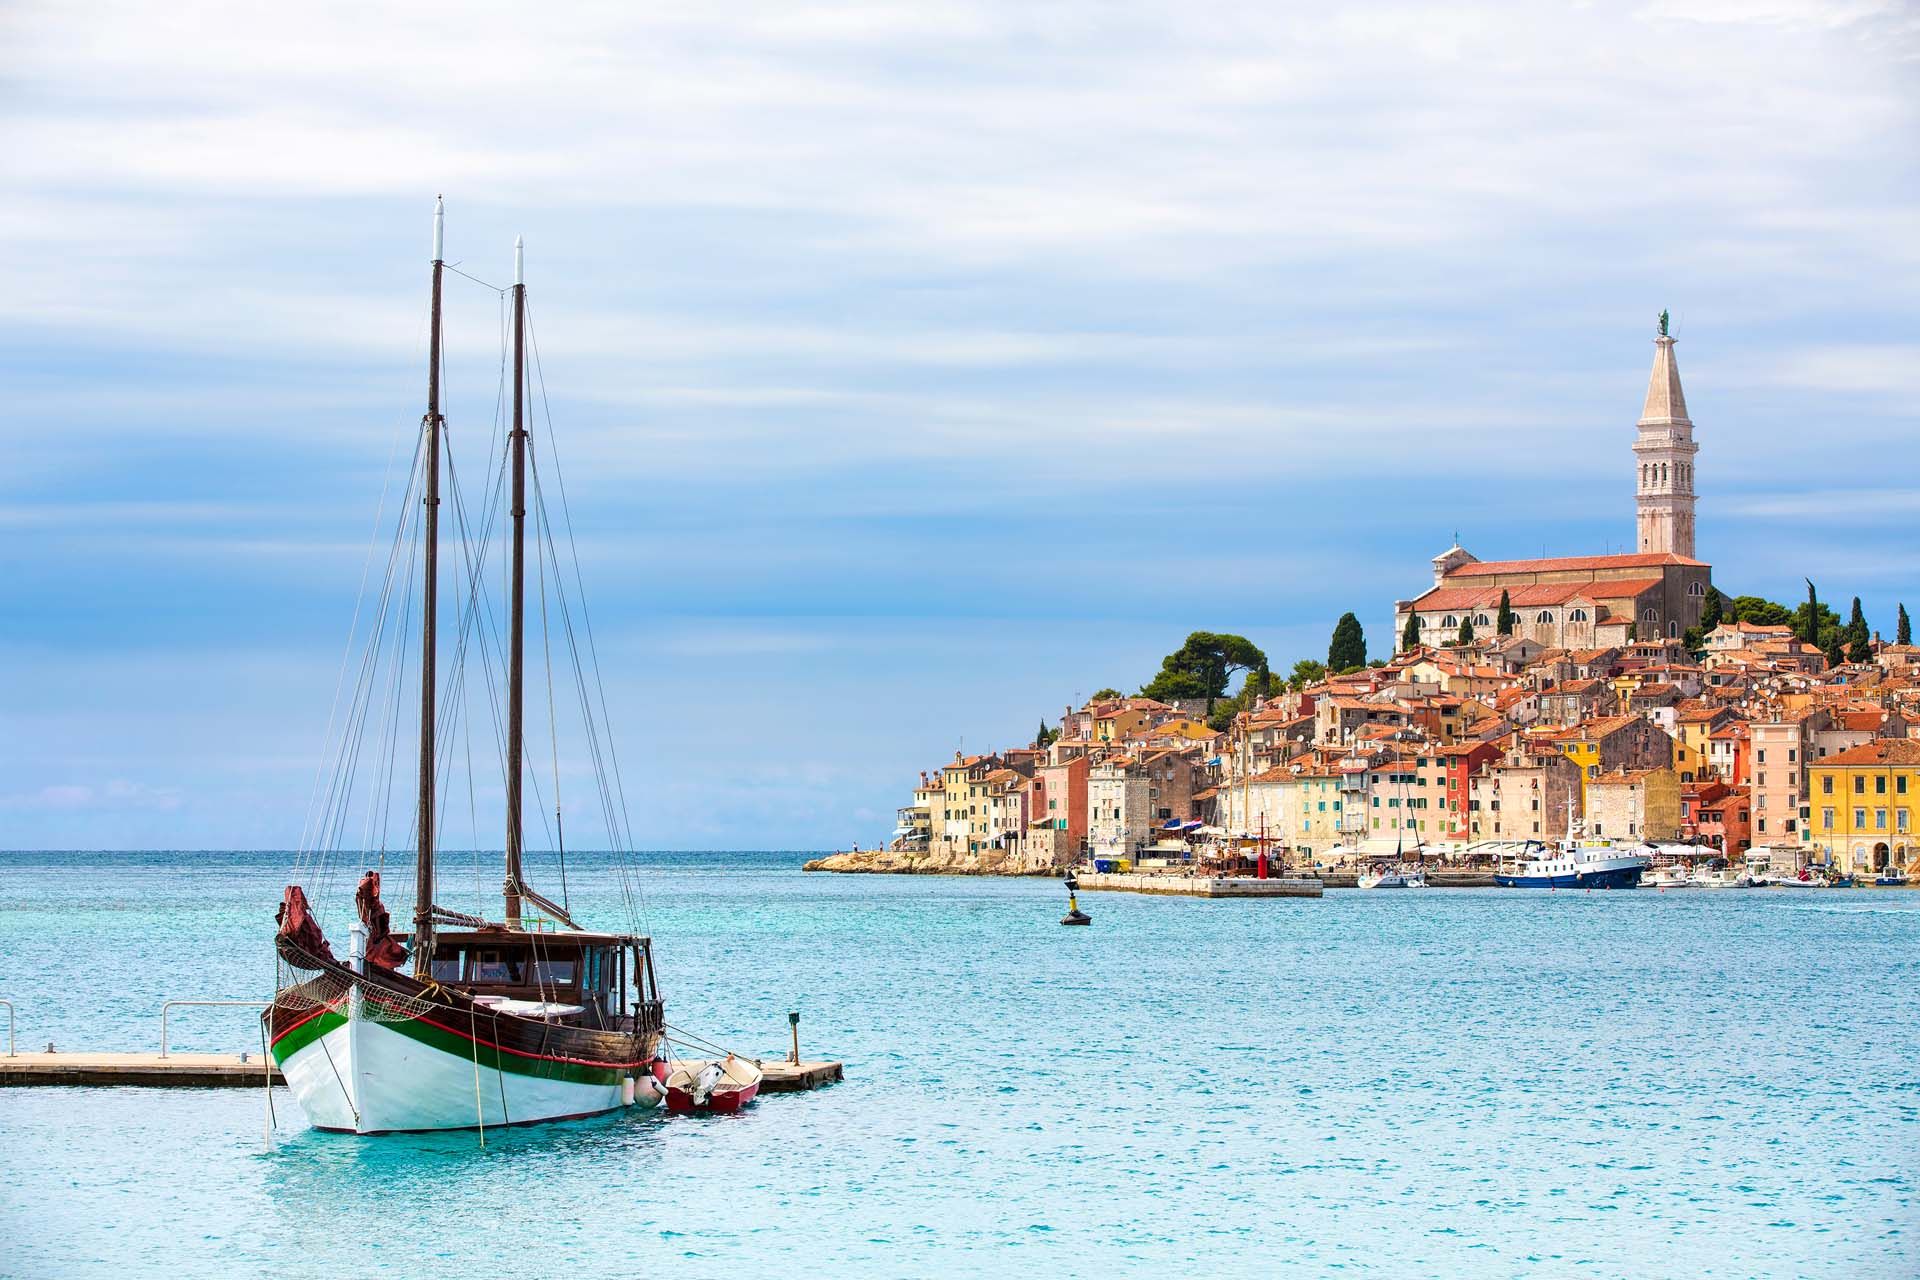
(724, 1086)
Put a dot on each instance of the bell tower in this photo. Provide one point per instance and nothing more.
(1663, 454)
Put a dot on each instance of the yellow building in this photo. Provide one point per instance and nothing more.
(1863, 806)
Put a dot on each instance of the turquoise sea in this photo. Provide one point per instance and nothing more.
(1459, 1083)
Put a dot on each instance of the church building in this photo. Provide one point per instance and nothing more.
(1590, 602)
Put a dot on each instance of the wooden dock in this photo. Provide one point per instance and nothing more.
(781, 1076)
(234, 1071)
(1203, 886)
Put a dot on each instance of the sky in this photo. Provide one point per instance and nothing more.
(914, 370)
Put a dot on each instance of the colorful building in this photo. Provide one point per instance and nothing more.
(1863, 806)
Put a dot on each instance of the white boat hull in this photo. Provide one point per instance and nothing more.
(363, 1075)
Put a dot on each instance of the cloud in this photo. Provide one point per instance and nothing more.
(118, 795)
(913, 366)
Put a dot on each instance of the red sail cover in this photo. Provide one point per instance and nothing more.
(298, 925)
(383, 948)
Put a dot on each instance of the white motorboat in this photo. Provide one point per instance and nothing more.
(1396, 876)
(1672, 876)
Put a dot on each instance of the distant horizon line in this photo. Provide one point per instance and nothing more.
(501, 852)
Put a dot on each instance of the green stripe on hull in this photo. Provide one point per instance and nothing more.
(457, 1046)
(305, 1034)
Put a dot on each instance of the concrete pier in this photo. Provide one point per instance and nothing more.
(230, 1071)
(176, 1070)
(1203, 886)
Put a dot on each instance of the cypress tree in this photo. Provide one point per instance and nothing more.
(1410, 638)
(1857, 633)
(1834, 645)
(1810, 629)
(1504, 623)
(1466, 629)
(1710, 612)
(1348, 648)
(1860, 652)
(1902, 627)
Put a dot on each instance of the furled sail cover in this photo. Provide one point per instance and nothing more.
(298, 925)
(383, 948)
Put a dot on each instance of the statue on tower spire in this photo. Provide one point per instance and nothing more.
(1663, 322)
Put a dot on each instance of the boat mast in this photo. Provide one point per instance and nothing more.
(516, 609)
(430, 591)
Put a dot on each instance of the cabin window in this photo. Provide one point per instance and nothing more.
(448, 965)
(554, 972)
(496, 966)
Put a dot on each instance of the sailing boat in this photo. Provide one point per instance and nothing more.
(511, 1022)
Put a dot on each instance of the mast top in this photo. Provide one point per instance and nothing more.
(519, 260)
(439, 228)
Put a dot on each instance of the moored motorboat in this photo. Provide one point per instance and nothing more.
(1394, 876)
(717, 1087)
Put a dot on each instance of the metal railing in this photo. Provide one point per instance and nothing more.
(9, 1005)
(166, 1008)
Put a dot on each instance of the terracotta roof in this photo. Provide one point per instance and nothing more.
(1643, 560)
(1880, 751)
(1460, 596)
(1623, 590)
(1596, 728)
(1619, 776)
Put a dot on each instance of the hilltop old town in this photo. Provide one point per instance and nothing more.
(1623, 693)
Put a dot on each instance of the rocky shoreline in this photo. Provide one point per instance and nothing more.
(888, 862)
(921, 863)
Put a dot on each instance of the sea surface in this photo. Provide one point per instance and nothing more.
(1458, 1083)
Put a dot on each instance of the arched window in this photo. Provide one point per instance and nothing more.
(1673, 629)
(1546, 615)
(1695, 589)
(1483, 621)
(1451, 621)
(1578, 615)
(1648, 615)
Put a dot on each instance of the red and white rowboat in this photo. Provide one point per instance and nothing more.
(723, 1086)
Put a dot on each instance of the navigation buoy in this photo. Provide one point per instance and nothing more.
(1074, 914)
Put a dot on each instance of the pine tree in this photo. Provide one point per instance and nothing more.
(1466, 629)
(1348, 648)
(1902, 627)
(1504, 623)
(1410, 638)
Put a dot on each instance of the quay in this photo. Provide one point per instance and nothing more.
(243, 1071)
(1202, 886)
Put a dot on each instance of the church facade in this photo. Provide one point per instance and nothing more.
(1589, 602)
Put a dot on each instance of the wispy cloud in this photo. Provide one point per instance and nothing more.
(115, 796)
